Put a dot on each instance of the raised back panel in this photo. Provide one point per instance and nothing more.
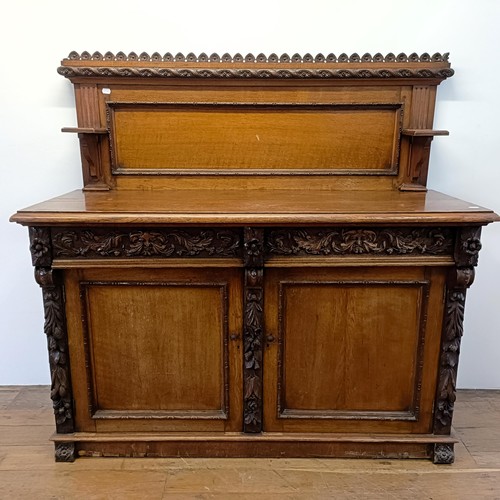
(255, 123)
(240, 138)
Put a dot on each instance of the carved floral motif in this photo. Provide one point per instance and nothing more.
(40, 246)
(359, 241)
(145, 243)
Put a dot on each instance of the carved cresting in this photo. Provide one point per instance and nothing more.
(253, 328)
(460, 278)
(57, 338)
(204, 66)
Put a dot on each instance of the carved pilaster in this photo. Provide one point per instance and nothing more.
(467, 246)
(253, 329)
(57, 342)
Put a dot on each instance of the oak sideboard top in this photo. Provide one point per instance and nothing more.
(253, 206)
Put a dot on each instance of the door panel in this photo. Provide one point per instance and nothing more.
(352, 348)
(153, 348)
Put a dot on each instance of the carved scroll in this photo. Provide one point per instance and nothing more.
(253, 329)
(144, 242)
(358, 241)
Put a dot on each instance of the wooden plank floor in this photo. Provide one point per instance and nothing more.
(27, 468)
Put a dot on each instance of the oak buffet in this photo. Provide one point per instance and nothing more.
(254, 266)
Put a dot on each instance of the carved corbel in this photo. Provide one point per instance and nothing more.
(253, 328)
(461, 277)
(57, 338)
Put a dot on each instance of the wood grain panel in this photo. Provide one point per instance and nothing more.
(281, 137)
(357, 338)
(350, 348)
(157, 346)
(152, 349)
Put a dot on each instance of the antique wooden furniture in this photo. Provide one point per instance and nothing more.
(254, 266)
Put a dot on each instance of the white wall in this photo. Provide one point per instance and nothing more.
(38, 162)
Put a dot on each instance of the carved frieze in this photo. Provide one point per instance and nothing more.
(358, 241)
(143, 242)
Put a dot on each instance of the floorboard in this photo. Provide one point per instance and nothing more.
(28, 470)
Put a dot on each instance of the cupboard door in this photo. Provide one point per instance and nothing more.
(355, 350)
(151, 350)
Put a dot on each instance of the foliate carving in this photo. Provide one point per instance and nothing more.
(384, 241)
(253, 329)
(458, 283)
(443, 453)
(40, 248)
(261, 58)
(65, 452)
(253, 350)
(146, 243)
(57, 342)
(317, 72)
(467, 246)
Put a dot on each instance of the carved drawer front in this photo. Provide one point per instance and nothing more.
(151, 349)
(354, 350)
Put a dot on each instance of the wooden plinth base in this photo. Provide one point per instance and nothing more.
(260, 445)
